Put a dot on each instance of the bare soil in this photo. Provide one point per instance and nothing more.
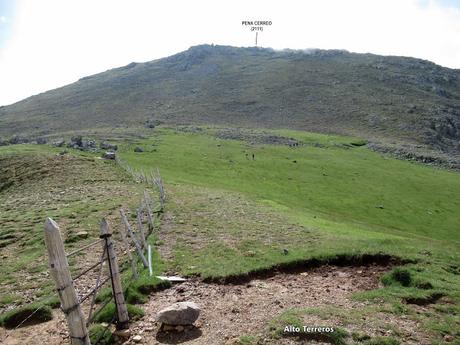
(229, 311)
(232, 310)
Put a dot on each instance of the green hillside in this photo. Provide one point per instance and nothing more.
(377, 97)
(326, 200)
(332, 180)
(230, 215)
(275, 164)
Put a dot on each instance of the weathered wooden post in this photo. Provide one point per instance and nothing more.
(147, 202)
(161, 190)
(141, 228)
(117, 290)
(134, 239)
(59, 270)
(128, 252)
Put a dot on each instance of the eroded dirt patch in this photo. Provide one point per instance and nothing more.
(230, 311)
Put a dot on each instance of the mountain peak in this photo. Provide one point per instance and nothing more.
(393, 98)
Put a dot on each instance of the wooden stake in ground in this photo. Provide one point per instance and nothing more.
(117, 290)
(59, 270)
(141, 228)
(161, 190)
(156, 180)
(148, 208)
(134, 239)
(128, 252)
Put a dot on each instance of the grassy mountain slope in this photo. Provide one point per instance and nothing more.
(227, 214)
(36, 182)
(373, 96)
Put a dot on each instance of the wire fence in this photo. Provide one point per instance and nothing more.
(134, 242)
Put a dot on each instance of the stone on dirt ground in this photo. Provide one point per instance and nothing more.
(181, 313)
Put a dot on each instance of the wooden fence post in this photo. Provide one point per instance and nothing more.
(141, 229)
(134, 239)
(148, 208)
(128, 252)
(160, 189)
(59, 270)
(119, 299)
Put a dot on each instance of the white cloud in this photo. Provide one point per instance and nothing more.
(3, 20)
(55, 42)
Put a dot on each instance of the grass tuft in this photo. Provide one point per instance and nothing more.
(398, 276)
(100, 335)
(359, 142)
(14, 317)
(108, 312)
(146, 285)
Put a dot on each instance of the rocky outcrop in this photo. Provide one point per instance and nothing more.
(18, 139)
(58, 142)
(77, 142)
(413, 154)
(108, 146)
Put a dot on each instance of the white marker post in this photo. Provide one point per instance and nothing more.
(150, 260)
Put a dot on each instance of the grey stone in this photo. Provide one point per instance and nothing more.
(181, 313)
(18, 139)
(108, 146)
(152, 123)
(82, 234)
(122, 333)
(109, 155)
(58, 142)
(75, 141)
(88, 144)
(138, 149)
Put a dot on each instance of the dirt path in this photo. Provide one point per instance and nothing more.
(229, 311)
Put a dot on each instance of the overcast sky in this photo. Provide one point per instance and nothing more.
(45, 44)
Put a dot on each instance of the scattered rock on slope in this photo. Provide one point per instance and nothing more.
(108, 146)
(58, 142)
(109, 155)
(88, 145)
(18, 139)
(75, 142)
